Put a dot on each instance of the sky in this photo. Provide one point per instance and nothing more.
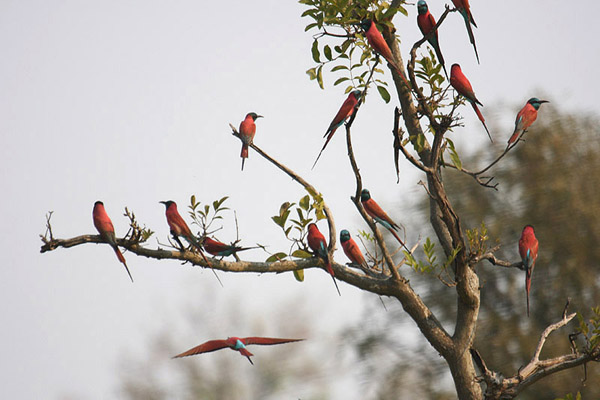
(129, 102)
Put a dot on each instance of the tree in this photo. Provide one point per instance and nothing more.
(427, 150)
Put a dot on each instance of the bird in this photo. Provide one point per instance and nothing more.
(247, 131)
(528, 250)
(465, 10)
(378, 43)
(234, 343)
(462, 85)
(345, 111)
(178, 228)
(351, 249)
(317, 243)
(526, 117)
(220, 249)
(426, 23)
(107, 231)
(377, 213)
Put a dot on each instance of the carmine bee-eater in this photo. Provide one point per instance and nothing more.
(377, 213)
(345, 111)
(351, 249)
(234, 343)
(317, 243)
(526, 117)
(426, 23)
(220, 249)
(461, 84)
(107, 231)
(378, 43)
(465, 10)
(247, 131)
(528, 249)
(178, 228)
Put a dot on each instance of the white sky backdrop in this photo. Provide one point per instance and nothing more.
(129, 102)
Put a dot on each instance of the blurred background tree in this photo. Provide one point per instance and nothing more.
(551, 181)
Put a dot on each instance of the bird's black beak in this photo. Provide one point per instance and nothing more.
(259, 116)
(544, 101)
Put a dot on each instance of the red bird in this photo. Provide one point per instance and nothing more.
(462, 85)
(178, 228)
(426, 23)
(247, 131)
(526, 117)
(377, 213)
(317, 243)
(235, 343)
(465, 10)
(107, 231)
(378, 43)
(345, 111)
(528, 250)
(351, 249)
(220, 249)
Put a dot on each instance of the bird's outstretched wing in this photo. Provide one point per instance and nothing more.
(205, 347)
(267, 340)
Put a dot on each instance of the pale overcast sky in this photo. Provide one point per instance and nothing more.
(129, 102)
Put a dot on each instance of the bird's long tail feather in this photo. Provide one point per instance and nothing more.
(480, 116)
(323, 148)
(122, 259)
(247, 354)
(244, 154)
(472, 37)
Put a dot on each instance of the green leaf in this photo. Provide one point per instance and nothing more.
(305, 202)
(342, 79)
(301, 254)
(312, 73)
(338, 68)
(454, 154)
(299, 275)
(320, 76)
(327, 52)
(385, 95)
(276, 257)
(315, 51)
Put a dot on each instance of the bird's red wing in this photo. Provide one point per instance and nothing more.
(266, 340)
(206, 347)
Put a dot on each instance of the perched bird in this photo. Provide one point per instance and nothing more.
(526, 117)
(317, 243)
(247, 131)
(462, 85)
(107, 231)
(351, 249)
(528, 249)
(345, 111)
(220, 249)
(234, 343)
(426, 23)
(465, 10)
(378, 43)
(178, 228)
(377, 213)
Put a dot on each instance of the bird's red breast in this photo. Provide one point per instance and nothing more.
(376, 40)
(353, 252)
(460, 82)
(101, 220)
(426, 22)
(176, 223)
(247, 129)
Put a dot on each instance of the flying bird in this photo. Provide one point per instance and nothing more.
(107, 232)
(526, 117)
(317, 243)
(345, 111)
(220, 249)
(351, 249)
(234, 343)
(426, 23)
(465, 10)
(179, 227)
(378, 43)
(528, 250)
(247, 131)
(462, 85)
(377, 213)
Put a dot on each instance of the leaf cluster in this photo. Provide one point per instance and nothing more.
(205, 216)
